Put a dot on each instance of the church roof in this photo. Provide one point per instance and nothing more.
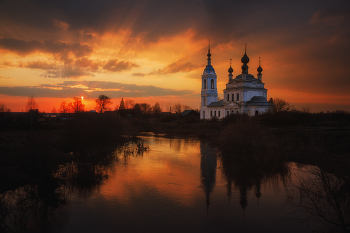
(186, 112)
(216, 104)
(248, 77)
(209, 69)
(258, 100)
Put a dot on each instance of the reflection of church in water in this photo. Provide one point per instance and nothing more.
(240, 177)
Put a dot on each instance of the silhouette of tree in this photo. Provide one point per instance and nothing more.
(157, 110)
(3, 108)
(53, 110)
(102, 103)
(77, 106)
(31, 104)
(129, 104)
(186, 107)
(280, 105)
(64, 108)
(323, 197)
(178, 108)
(137, 109)
(146, 108)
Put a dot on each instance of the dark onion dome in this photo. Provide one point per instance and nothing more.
(245, 58)
(244, 66)
(230, 70)
(259, 69)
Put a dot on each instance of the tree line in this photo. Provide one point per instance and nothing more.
(103, 103)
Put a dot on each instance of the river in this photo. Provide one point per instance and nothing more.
(172, 185)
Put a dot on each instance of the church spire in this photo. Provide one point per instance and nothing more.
(259, 71)
(230, 70)
(209, 55)
(245, 60)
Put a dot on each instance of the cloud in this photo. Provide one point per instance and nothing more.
(138, 74)
(60, 24)
(80, 67)
(92, 88)
(332, 16)
(23, 48)
(66, 72)
(113, 65)
(4, 77)
(38, 65)
(175, 67)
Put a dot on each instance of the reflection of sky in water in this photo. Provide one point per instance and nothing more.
(179, 186)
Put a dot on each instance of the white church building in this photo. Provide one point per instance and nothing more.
(243, 94)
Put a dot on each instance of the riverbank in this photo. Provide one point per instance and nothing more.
(316, 139)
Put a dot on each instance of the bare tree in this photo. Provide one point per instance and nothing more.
(3, 108)
(146, 108)
(31, 104)
(280, 105)
(324, 197)
(64, 108)
(157, 110)
(103, 103)
(77, 105)
(186, 107)
(129, 104)
(178, 108)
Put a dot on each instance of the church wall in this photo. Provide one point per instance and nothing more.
(260, 109)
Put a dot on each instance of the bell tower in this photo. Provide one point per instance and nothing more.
(209, 91)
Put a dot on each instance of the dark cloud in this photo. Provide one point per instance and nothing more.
(332, 15)
(22, 47)
(222, 20)
(80, 67)
(92, 88)
(66, 72)
(114, 65)
(38, 65)
(138, 74)
(175, 67)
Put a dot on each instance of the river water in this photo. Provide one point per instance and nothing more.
(176, 185)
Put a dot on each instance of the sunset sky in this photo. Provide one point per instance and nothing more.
(155, 50)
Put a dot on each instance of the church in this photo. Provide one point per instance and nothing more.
(243, 94)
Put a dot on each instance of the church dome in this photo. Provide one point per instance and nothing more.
(209, 69)
(245, 58)
(259, 69)
(244, 66)
(230, 70)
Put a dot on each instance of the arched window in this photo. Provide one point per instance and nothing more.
(203, 100)
(212, 83)
(204, 84)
